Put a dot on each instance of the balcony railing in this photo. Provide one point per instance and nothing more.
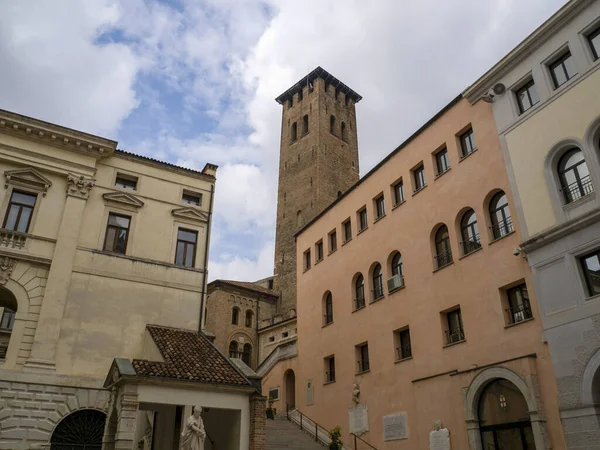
(12, 239)
(577, 189)
(403, 352)
(328, 318)
(377, 293)
(519, 313)
(443, 259)
(502, 228)
(363, 366)
(359, 302)
(454, 335)
(330, 376)
(471, 245)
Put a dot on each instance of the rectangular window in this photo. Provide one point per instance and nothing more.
(8, 319)
(319, 250)
(398, 193)
(519, 308)
(347, 230)
(467, 142)
(19, 212)
(271, 338)
(126, 182)
(403, 348)
(330, 369)
(307, 259)
(117, 233)
(191, 198)
(285, 334)
(274, 394)
(527, 96)
(562, 69)
(442, 162)
(455, 332)
(186, 247)
(332, 241)
(363, 222)
(362, 352)
(591, 269)
(419, 178)
(594, 40)
(379, 207)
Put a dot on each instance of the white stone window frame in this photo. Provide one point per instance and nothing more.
(190, 191)
(574, 260)
(583, 34)
(278, 389)
(131, 233)
(126, 174)
(549, 60)
(22, 187)
(514, 102)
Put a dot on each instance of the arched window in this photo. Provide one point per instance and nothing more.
(8, 309)
(500, 216)
(332, 124)
(249, 317)
(235, 316)
(377, 282)
(294, 132)
(80, 429)
(305, 124)
(359, 292)
(234, 350)
(247, 354)
(575, 181)
(299, 218)
(397, 268)
(469, 232)
(328, 316)
(443, 252)
(343, 131)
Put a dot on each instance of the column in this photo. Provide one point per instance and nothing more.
(258, 419)
(45, 342)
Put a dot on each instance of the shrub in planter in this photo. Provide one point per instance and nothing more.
(336, 443)
(271, 412)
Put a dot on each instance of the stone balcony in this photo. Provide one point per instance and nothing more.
(26, 246)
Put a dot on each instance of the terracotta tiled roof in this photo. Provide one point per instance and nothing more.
(188, 356)
(250, 286)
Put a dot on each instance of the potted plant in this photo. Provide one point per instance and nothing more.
(334, 435)
(271, 412)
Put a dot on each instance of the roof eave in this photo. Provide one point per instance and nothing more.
(316, 73)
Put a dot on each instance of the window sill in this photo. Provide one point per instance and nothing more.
(580, 201)
(396, 289)
(318, 261)
(403, 359)
(331, 252)
(359, 309)
(419, 190)
(462, 158)
(345, 242)
(510, 325)
(398, 204)
(364, 229)
(306, 270)
(470, 253)
(443, 267)
(379, 218)
(328, 382)
(442, 173)
(593, 298)
(501, 237)
(363, 372)
(454, 343)
(327, 324)
(377, 299)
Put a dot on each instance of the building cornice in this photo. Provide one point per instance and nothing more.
(55, 135)
(474, 92)
(261, 295)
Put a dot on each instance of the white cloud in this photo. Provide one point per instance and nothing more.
(228, 267)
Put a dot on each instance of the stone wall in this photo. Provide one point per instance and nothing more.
(29, 412)
(257, 422)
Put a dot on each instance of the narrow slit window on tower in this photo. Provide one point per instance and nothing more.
(290, 102)
(305, 124)
(294, 132)
(300, 95)
(343, 131)
(337, 93)
(332, 124)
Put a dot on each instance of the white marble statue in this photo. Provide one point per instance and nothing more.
(355, 393)
(193, 434)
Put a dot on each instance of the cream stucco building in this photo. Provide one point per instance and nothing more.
(546, 100)
(101, 251)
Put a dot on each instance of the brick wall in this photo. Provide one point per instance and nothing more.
(257, 421)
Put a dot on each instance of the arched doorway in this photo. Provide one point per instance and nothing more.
(290, 388)
(503, 418)
(82, 429)
(8, 311)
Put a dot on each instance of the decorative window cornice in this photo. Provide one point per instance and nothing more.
(123, 198)
(190, 214)
(28, 178)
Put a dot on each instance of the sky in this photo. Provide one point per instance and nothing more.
(194, 81)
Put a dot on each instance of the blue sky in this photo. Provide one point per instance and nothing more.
(192, 82)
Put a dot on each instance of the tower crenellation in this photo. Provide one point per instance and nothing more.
(318, 162)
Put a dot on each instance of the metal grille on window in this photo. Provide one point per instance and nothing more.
(81, 430)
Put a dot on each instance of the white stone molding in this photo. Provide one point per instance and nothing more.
(190, 214)
(6, 268)
(28, 178)
(587, 382)
(123, 198)
(79, 186)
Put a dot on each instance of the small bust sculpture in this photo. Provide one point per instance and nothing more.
(355, 393)
(437, 426)
(193, 435)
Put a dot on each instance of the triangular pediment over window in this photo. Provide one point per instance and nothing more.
(28, 178)
(190, 214)
(123, 198)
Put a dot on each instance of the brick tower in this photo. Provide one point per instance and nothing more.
(318, 162)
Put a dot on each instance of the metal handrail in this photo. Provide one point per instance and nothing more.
(362, 440)
(443, 258)
(502, 228)
(471, 245)
(519, 313)
(359, 302)
(404, 351)
(310, 430)
(577, 189)
(454, 335)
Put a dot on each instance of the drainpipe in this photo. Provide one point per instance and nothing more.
(203, 293)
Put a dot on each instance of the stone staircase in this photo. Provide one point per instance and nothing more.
(283, 434)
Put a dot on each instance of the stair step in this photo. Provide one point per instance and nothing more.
(282, 434)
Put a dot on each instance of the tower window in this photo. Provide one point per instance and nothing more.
(294, 132)
(300, 96)
(332, 124)
(337, 93)
(343, 131)
(305, 124)
(290, 102)
(299, 218)
(346, 100)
